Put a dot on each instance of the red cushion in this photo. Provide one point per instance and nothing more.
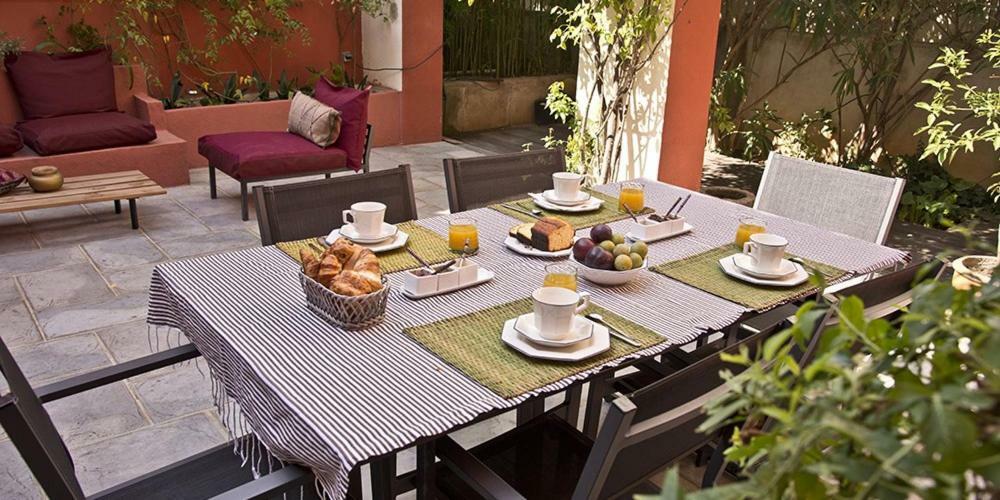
(353, 106)
(66, 134)
(259, 155)
(10, 140)
(50, 85)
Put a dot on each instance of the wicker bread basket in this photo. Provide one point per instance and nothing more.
(352, 313)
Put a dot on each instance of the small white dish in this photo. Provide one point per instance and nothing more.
(599, 342)
(350, 232)
(607, 277)
(581, 197)
(648, 230)
(583, 329)
(482, 276)
(589, 206)
(515, 245)
(745, 263)
(398, 241)
(796, 278)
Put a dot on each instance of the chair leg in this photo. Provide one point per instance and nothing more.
(383, 475)
(211, 181)
(599, 387)
(716, 464)
(426, 487)
(243, 200)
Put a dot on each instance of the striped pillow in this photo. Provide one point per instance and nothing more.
(313, 120)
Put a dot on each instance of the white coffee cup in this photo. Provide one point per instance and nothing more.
(366, 217)
(567, 185)
(555, 309)
(766, 251)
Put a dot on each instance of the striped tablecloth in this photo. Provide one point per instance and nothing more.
(330, 399)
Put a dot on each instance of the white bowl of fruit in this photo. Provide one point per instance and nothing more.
(605, 258)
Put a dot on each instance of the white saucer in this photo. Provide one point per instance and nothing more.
(350, 232)
(686, 229)
(581, 198)
(794, 279)
(397, 241)
(590, 205)
(745, 263)
(599, 342)
(583, 329)
(515, 245)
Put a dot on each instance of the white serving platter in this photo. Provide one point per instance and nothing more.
(599, 342)
(515, 245)
(482, 276)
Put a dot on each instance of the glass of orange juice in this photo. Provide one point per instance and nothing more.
(460, 230)
(631, 196)
(749, 226)
(561, 275)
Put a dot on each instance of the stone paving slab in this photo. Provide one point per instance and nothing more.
(73, 284)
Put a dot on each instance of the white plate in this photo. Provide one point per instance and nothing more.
(482, 277)
(391, 244)
(581, 197)
(515, 245)
(588, 206)
(348, 231)
(583, 329)
(607, 277)
(686, 229)
(797, 278)
(599, 342)
(745, 263)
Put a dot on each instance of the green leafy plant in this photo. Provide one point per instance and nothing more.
(262, 85)
(961, 115)
(80, 35)
(338, 75)
(935, 198)
(286, 87)
(908, 408)
(9, 45)
(173, 99)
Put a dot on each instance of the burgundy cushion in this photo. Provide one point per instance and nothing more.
(49, 85)
(353, 106)
(66, 134)
(258, 155)
(10, 140)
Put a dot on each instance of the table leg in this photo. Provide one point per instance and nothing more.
(383, 475)
(530, 409)
(574, 398)
(599, 386)
(134, 213)
(211, 181)
(426, 487)
(118, 206)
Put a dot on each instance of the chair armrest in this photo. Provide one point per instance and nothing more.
(270, 485)
(471, 471)
(121, 371)
(769, 320)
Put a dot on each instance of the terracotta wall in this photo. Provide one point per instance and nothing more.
(19, 18)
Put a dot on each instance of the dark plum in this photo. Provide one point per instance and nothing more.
(581, 248)
(599, 258)
(601, 232)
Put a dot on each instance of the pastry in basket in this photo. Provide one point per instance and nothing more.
(344, 267)
(548, 234)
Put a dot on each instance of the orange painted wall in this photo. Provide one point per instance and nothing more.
(421, 107)
(689, 86)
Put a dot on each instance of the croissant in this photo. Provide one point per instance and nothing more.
(329, 268)
(343, 249)
(310, 264)
(354, 283)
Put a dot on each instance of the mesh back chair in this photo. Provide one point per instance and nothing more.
(885, 293)
(480, 181)
(217, 471)
(847, 201)
(642, 432)
(307, 209)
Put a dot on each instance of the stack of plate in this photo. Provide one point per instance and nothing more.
(742, 267)
(583, 202)
(389, 238)
(587, 339)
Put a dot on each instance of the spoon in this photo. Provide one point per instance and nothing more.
(533, 213)
(421, 261)
(444, 267)
(630, 212)
(597, 318)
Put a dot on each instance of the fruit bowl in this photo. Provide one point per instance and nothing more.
(607, 277)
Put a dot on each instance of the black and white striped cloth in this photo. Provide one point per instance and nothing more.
(329, 399)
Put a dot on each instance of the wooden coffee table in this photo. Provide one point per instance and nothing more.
(129, 185)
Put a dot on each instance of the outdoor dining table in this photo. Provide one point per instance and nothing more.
(332, 399)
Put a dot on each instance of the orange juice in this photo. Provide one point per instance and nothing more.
(460, 230)
(631, 195)
(560, 275)
(747, 228)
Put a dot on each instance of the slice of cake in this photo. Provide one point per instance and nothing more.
(522, 232)
(551, 234)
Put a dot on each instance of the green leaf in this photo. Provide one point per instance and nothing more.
(948, 433)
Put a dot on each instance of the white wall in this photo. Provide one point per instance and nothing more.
(382, 46)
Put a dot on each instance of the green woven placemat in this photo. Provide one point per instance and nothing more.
(607, 213)
(702, 271)
(472, 344)
(426, 243)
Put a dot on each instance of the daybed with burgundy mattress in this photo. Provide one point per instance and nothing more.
(260, 156)
(68, 103)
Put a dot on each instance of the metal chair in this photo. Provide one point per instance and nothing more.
(839, 199)
(295, 211)
(885, 293)
(217, 471)
(642, 432)
(480, 181)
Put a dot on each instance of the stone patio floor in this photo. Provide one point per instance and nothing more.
(73, 291)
